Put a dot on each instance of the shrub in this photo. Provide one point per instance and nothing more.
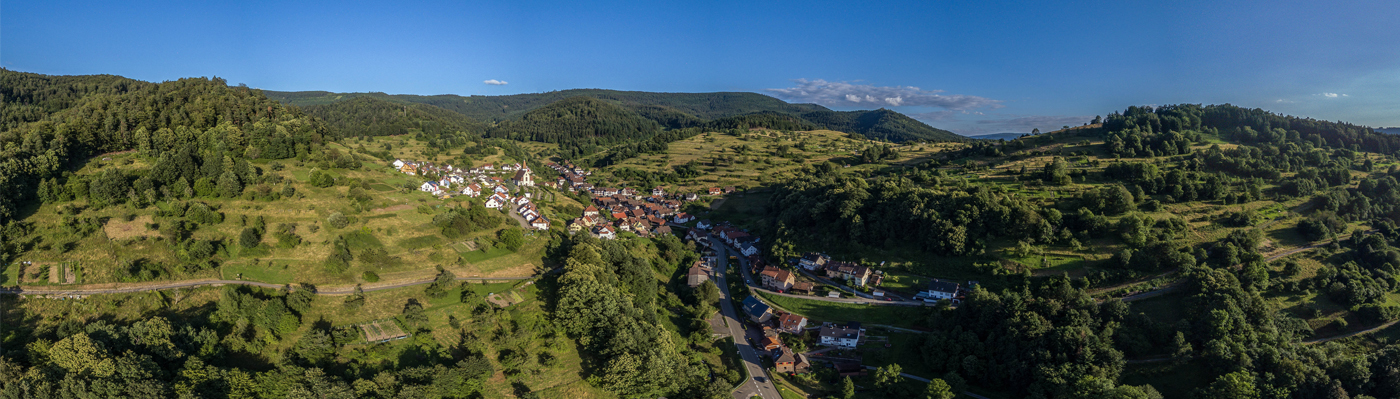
(249, 238)
(370, 276)
(338, 220)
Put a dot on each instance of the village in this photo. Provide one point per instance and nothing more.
(613, 212)
(785, 339)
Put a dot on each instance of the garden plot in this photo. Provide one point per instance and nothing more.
(505, 299)
(382, 330)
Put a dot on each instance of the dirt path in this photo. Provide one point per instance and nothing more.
(130, 288)
(1351, 334)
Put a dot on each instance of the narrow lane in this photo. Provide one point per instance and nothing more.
(758, 382)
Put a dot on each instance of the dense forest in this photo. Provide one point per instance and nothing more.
(671, 110)
(370, 116)
(89, 116)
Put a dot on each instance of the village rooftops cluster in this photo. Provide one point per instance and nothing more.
(571, 177)
(607, 216)
(475, 182)
(452, 180)
(772, 323)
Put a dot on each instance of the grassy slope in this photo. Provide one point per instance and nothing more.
(398, 229)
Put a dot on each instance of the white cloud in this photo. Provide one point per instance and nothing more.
(844, 94)
(495, 82)
(1332, 95)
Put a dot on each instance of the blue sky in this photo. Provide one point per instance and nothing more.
(970, 67)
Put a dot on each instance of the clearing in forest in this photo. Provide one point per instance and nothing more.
(121, 230)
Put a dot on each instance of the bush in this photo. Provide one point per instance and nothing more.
(370, 276)
(249, 238)
(513, 238)
(338, 220)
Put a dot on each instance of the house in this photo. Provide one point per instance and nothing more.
(939, 289)
(839, 336)
(854, 273)
(757, 310)
(605, 232)
(728, 189)
(590, 211)
(658, 191)
(792, 323)
(496, 201)
(767, 275)
(489, 166)
(783, 281)
(682, 218)
(715, 191)
(472, 190)
(777, 279)
(429, 187)
(692, 197)
(703, 225)
(540, 223)
(748, 249)
(399, 163)
(697, 274)
(848, 368)
(770, 342)
(523, 178)
(521, 200)
(785, 361)
(813, 261)
(500, 189)
(803, 287)
(661, 230)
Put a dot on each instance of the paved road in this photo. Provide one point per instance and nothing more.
(45, 290)
(840, 300)
(751, 360)
(723, 250)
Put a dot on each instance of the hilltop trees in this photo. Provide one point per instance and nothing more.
(192, 125)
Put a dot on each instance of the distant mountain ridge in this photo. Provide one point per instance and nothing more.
(998, 136)
(672, 110)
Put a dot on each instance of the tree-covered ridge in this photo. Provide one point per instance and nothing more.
(672, 110)
(580, 125)
(881, 124)
(28, 97)
(371, 116)
(499, 108)
(159, 118)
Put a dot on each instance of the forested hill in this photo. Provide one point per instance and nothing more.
(880, 124)
(372, 116)
(672, 110)
(499, 108)
(66, 119)
(580, 124)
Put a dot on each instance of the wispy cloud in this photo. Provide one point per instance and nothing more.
(495, 82)
(845, 94)
(1332, 95)
(1283, 101)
